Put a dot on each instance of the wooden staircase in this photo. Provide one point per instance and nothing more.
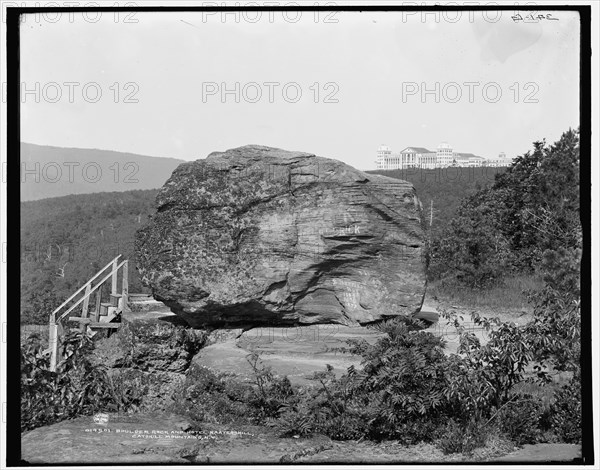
(98, 316)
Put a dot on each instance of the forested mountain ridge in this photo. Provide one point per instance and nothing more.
(66, 240)
(446, 187)
(48, 171)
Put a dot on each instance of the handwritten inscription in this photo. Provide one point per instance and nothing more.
(350, 296)
(337, 231)
(533, 18)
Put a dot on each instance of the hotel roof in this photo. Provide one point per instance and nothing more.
(418, 150)
(467, 155)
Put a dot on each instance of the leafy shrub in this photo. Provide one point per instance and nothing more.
(207, 396)
(77, 387)
(271, 392)
(130, 388)
(402, 381)
(556, 327)
(398, 394)
(456, 437)
(520, 419)
(481, 378)
(219, 397)
(564, 415)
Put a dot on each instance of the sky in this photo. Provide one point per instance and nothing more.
(185, 84)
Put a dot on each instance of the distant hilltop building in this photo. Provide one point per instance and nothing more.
(501, 160)
(444, 156)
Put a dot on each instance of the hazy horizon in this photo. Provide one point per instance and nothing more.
(167, 84)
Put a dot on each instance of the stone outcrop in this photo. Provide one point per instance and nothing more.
(151, 353)
(257, 236)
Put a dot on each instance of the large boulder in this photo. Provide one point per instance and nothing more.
(258, 236)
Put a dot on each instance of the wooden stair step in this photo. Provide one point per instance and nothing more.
(93, 324)
(104, 325)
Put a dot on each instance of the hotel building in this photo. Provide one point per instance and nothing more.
(443, 157)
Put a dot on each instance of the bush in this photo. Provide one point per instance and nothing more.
(77, 387)
(207, 396)
(46, 396)
(506, 229)
(564, 416)
(407, 390)
(457, 437)
(398, 394)
(520, 418)
(221, 398)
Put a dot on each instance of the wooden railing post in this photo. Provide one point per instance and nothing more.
(114, 277)
(86, 305)
(53, 343)
(98, 306)
(125, 286)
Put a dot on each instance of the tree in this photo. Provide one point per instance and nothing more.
(531, 208)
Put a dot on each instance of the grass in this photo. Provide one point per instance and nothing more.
(41, 330)
(508, 294)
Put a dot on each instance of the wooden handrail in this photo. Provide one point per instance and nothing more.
(92, 290)
(56, 310)
(55, 323)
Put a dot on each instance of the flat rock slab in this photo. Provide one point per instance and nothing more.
(121, 439)
(389, 452)
(544, 453)
(163, 438)
(159, 438)
(294, 352)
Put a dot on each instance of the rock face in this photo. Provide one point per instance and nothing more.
(258, 236)
(151, 353)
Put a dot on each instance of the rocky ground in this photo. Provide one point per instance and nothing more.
(156, 345)
(154, 438)
(293, 352)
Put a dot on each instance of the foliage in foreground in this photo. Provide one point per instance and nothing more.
(77, 387)
(409, 390)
